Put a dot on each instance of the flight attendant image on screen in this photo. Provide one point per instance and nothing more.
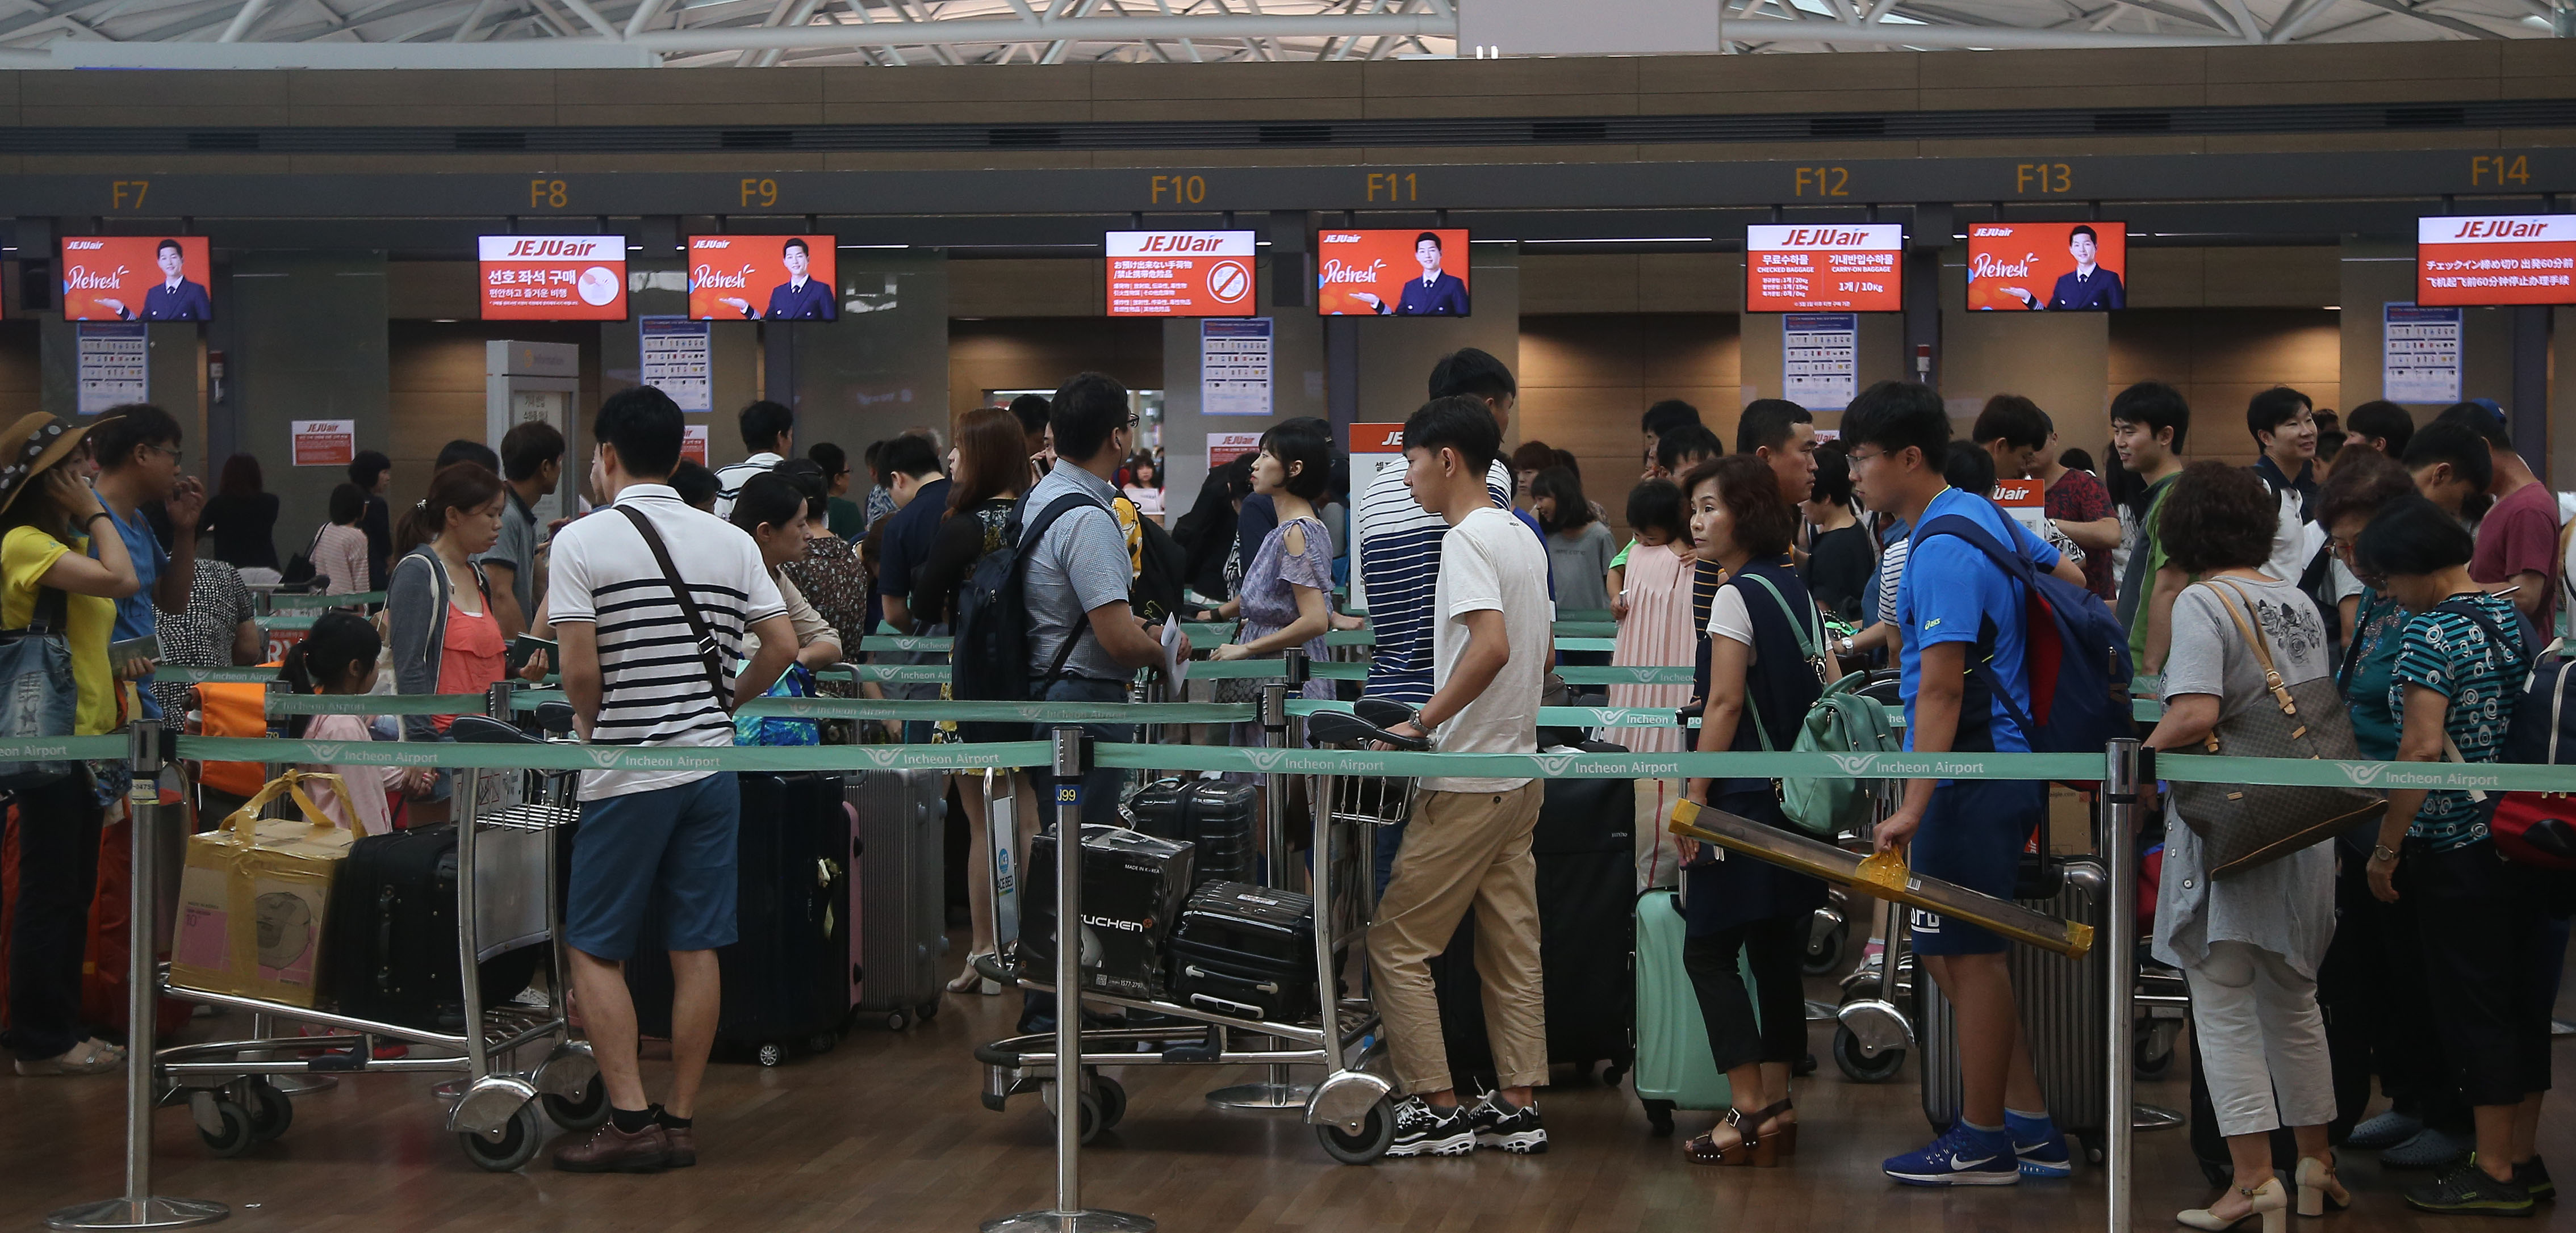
(175, 298)
(1437, 293)
(2090, 286)
(802, 297)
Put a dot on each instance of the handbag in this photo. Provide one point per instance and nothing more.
(1839, 721)
(2245, 825)
(42, 699)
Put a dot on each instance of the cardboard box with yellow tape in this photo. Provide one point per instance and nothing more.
(254, 896)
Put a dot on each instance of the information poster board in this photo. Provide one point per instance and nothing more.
(2048, 267)
(1180, 273)
(323, 443)
(678, 358)
(2496, 259)
(1398, 273)
(114, 362)
(1856, 268)
(2419, 353)
(1234, 366)
(137, 278)
(1820, 359)
(2027, 501)
(553, 277)
(763, 278)
(1372, 449)
(693, 443)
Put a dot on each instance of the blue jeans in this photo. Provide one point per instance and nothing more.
(1100, 788)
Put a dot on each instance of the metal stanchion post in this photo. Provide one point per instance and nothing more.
(139, 1208)
(2126, 773)
(1071, 757)
(260, 1024)
(1278, 1090)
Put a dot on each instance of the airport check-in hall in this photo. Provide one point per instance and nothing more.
(1601, 583)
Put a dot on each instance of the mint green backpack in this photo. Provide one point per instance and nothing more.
(1839, 721)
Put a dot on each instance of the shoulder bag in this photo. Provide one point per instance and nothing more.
(2245, 825)
(709, 654)
(1839, 721)
(42, 698)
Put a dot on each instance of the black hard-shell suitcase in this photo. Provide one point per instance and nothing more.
(1214, 816)
(1246, 951)
(1133, 886)
(2064, 1004)
(786, 976)
(1587, 902)
(392, 951)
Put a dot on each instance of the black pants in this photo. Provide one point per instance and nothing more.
(2374, 974)
(2485, 937)
(1771, 948)
(57, 876)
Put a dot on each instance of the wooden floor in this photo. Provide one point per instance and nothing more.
(886, 1133)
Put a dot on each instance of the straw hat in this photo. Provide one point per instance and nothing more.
(32, 446)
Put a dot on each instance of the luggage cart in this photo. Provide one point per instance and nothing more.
(1351, 1108)
(515, 1057)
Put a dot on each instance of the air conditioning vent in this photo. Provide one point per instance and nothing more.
(491, 139)
(1847, 126)
(756, 139)
(1296, 134)
(1554, 132)
(2427, 117)
(2133, 122)
(228, 143)
(1024, 137)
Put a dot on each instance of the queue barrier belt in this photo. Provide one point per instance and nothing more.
(2079, 768)
(110, 748)
(298, 599)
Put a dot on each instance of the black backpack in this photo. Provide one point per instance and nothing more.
(989, 651)
(1163, 569)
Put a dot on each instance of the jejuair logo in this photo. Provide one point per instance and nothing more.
(1265, 760)
(328, 751)
(1853, 764)
(2362, 776)
(606, 759)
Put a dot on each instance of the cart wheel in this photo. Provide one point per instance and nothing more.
(927, 1011)
(772, 1053)
(236, 1137)
(1659, 1118)
(1366, 1146)
(518, 1144)
(1088, 1105)
(583, 1112)
(1826, 953)
(270, 1110)
(896, 1020)
(1113, 1100)
(822, 1042)
(2146, 1060)
(1861, 1067)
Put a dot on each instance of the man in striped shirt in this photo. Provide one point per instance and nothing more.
(769, 432)
(637, 672)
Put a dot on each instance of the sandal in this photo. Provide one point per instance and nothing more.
(90, 1057)
(1749, 1148)
(1785, 1132)
(973, 980)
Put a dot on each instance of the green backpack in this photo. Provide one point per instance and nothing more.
(1839, 721)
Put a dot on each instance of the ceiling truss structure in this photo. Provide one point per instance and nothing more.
(899, 33)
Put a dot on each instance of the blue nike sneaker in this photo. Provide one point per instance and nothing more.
(1963, 1157)
(2046, 1158)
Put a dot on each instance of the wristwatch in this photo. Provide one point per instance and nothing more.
(2381, 852)
(1843, 647)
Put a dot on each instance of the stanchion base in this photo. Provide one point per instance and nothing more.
(153, 1212)
(1071, 1222)
(2153, 1117)
(1262, 1096)
(302, 1085)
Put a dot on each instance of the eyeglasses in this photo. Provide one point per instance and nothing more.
(175, 455)
(1856, 458)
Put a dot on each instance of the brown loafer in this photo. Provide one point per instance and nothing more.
(684, 1146)
(610, 1150)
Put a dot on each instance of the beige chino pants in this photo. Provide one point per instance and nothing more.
(1463, 850)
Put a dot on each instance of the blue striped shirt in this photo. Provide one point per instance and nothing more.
(1399, 566)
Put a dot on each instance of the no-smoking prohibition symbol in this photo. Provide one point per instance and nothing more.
(1229, 281)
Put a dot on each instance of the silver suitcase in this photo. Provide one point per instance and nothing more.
(2064, 1005)
(901, 910)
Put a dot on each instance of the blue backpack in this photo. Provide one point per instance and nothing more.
(989, 651)
(2075, 654)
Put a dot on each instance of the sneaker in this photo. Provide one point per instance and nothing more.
(2533, 1176)
(1499, 1123)
(2465, 1189)
(2430, 1148)
(1421, 1130)
(1962, 1157)
(2046, 1158)
(2382, 1131)
(610, 1150)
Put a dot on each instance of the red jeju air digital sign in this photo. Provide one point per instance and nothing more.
(553, 277)
(1800, 268)
(2496, 259)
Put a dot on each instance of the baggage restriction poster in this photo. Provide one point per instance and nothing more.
(2420, 350)
(2497, 259)
(1180, 274)
(553, 277)
(2047, 267)
(1234, 367)
(1852, 268)
(1820, 359)
(114, 365)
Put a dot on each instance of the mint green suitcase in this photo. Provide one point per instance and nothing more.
(1674, 1069)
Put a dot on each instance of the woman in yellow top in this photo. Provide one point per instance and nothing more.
(48, 512)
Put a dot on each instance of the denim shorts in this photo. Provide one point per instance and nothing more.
(672, 849)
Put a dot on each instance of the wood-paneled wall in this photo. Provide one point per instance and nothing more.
(2219, 359)
(435, 372)
(1586, 379)
(1014, 353)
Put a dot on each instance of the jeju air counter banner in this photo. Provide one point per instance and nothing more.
(1180, 274)
(553, 277)
(2047, 267)
(1800, 268)
(136, 278)
(2496, 259)
(1398, 273)
(763, 278)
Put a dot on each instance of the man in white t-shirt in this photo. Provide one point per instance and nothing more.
(1468, 844)
(638, 673)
